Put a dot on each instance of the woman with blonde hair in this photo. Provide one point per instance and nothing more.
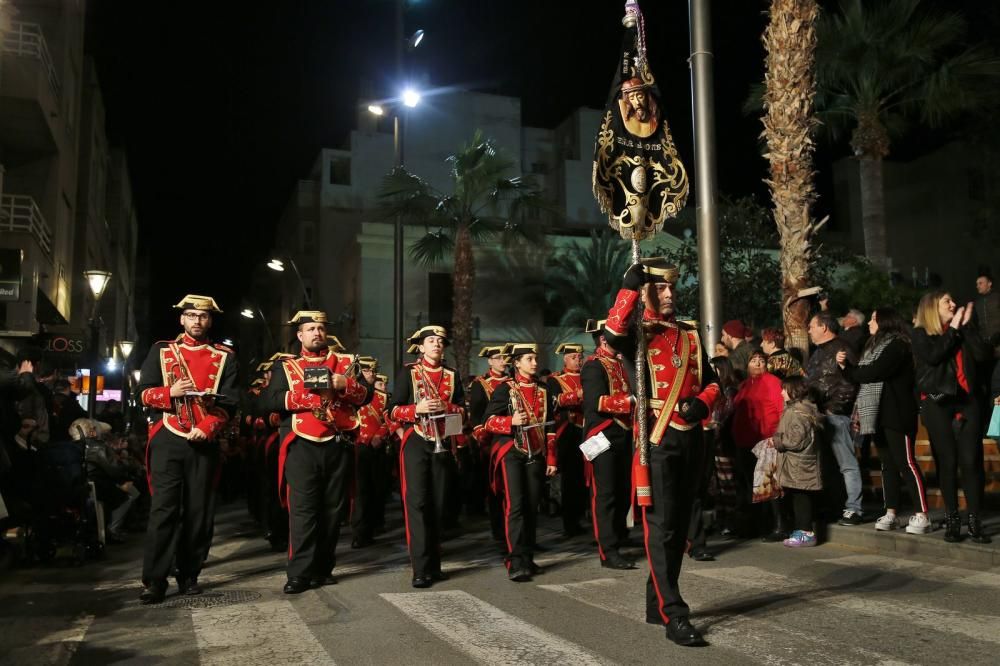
(946, 348)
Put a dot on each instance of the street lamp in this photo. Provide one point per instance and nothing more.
(276, 264)
(410, 98)
(98, 282)
(126, 347)
(247, 313)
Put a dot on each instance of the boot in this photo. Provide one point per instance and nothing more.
(952, 527)
(976, 529)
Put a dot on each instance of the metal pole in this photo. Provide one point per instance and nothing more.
(302, 283)
(95, 340)
(703, 102)
(397, 256)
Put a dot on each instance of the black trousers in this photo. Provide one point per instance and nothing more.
(253, 473)
(370, 486)
(611, 492)
(523, 479)
(318, 475)
(799, 505)
(275, 515)
(895, 452)
(571, 483)
(423, 478)
(182, 510)
(673, 469)
(957, 444)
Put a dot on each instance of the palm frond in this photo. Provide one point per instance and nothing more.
(432, 248)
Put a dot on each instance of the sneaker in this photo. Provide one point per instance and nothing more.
(919, 524)
(800, 539)
(886, 523)
(850, 518)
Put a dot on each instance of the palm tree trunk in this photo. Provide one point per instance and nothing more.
(789, 123)
(873, 209)
(463, 282)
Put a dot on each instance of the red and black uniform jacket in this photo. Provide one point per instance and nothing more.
(423, 379)
(607, 398)
(668, 385)
(372, 418)
(541, 407)
(564, 387)
(304, 413)
(212, 368)
(479, 397)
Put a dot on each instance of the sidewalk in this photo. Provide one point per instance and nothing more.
(930, 545)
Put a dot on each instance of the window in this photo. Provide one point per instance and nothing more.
(340, 171)
(439, 299)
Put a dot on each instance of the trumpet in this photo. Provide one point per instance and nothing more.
(428, 422)
(523, 433)
(184, 406)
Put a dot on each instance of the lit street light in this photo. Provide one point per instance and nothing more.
(411, 97)
(126, 347)
(246, 312)
(279, 265)
(376, 109)
(98, 282)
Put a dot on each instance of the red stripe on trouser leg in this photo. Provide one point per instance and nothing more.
(915, 471)
(652, 569)
(506, 511)
(402, 491)
(593, 511)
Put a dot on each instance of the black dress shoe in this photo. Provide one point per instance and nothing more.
(154, 593)
(522, 575)
(616, 561)
(421, 582)
(701, 555)
(322, 581)
(774, 537)
(439, 575)
(534, 568)
(189, 586)
(297, 585)
(680, 631)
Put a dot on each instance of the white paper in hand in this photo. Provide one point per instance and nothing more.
(595, 446)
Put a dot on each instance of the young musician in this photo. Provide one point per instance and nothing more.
(426, 391)
(567, 391)
(479, 397)
(520, 415)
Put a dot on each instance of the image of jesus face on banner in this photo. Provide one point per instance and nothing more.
(640, 113)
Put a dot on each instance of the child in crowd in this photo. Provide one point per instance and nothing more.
(800, 477)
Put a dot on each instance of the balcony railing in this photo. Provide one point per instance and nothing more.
(19, 213)
(27, 40)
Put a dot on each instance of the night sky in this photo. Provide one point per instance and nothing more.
(222, 106)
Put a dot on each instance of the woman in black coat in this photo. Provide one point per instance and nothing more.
(945, 351)
(887, 410)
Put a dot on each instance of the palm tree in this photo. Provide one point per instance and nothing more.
(884, 67)
(789, 124)
(583, 278)
(486, 204)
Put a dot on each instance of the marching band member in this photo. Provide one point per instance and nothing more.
(567, 391)
(190, 386)
(370, 461)
(682, 390)
(426, 392)
(607, 408)
(519, 414)
(479, 397)
(318, 403)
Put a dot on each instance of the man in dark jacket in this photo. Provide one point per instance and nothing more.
(986, 313)
(835, 399)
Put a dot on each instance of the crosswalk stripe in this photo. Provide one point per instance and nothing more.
(265, 633)
(756, 639)
(979, 627)
(935, 573)
(484, 632)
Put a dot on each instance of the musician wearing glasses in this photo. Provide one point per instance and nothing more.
(520, 415)
(427, 404)
(318, 401)
(190, 386)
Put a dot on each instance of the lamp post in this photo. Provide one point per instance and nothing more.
(98, 282)
(410, 98)
(278, 265)
(126, 347)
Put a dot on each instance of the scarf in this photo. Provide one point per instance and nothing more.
(870, 394)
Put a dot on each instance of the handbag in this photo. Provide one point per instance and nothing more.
(993, 432)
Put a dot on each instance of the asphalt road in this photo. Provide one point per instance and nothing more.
(757, 603)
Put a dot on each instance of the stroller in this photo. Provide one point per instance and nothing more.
(65, 520)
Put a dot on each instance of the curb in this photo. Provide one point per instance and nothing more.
(930, 545)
